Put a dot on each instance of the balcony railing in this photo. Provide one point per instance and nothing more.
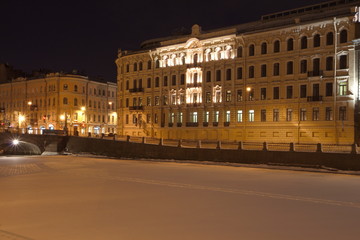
(192, 124)
(314, 98)
(171, 124)
(226, 124)
(179, 124)
(192, 85)
(134, 108)
(134, 90)
(215, 124)
(315, 73)
(205, 124)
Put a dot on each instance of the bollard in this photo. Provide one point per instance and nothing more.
(265, 146)
(180, 143)
(218, 146)
(292, 147)
(199, 144)
(128, 138)
(319, 148)
(161, 142)
(241, 146)
(354, 149)
(143, 140)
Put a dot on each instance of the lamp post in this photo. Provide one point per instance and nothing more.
(83, 118)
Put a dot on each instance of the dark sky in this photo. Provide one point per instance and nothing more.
(85, 35)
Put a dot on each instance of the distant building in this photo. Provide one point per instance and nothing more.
(58, 101)
(292, 76)
(7, 73)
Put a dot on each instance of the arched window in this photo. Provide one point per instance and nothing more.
(135, 66)
(317, 40)
(75, 88)
(290, 67)
(239, 52)
(251, 50)
(330, 38)
(140, 66)
(157, 63)
(149, 65)
(264, 48)
(65, 87)
(276, 46)
(343, 36)
(304, 42)
(127, 68)
(290, 44)
(65, 100)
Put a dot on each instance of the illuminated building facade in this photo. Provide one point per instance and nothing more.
(290, 77)
(58, 101)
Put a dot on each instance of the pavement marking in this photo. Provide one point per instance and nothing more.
(13, 236)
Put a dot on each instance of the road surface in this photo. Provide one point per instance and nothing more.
(84, 197)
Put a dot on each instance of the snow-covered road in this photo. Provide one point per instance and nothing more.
(79, 197)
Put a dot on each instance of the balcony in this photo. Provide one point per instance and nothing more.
(193, 85)
(205, 124)
(314, 98)
(135, 90)
(170, 124)
(179, 124)
(215, 124)
(192, 65)
(226, 124)
(136, 108)
(315, 73)
(192, 124)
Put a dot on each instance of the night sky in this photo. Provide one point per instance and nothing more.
(85, 35)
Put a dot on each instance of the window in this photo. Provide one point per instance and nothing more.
(276, 46)
(239, 116)
(157, 63)
(343, 36)
(329, 89)
(263, 93)
(149, 83)
(263, 115)
(148, 118)
(149, 65)
(276, 70)
(165, 82)
(218, 75)
(216, 116)
(276, 93)
(228, 74)
(228, 96)
(157, 100)
(317, 40)
(328, 114)
(157, 82)
(165, 100)
(227, 116)
(134, 102)
(264, 48)
(251, 94)
(276, 114)
(316, 90)
(239, 73)
(127, 68)
(329, 63)
(343, 62)
(239, 52)
(290, 67)
(251, 50)
(180, 119)
(303, 42)
(239, 95)
(316, 67)
(195, 59)
(251, 115)
(208, 97)
(303, 66)
(289, 92)
(126, 87)
(182, 79)
(65, 101)
(315, 114)
(65, 87)
(342, 88)
(126, 103)
(135, 66)
(329, 38)
(302, 114)
(206, 117)
(290, 44)
(140, 66)
(263, 70)
(289, 112)
(251, 72)
(75, 102)
(208, 76)
(303, 92)
(148, 101)
(75, 88)
(173, 80)
(342, 113)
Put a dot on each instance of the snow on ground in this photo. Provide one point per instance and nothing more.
(83, 197)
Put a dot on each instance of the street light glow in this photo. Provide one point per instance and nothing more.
(62, 117)
(15, 142)
(21, 118)
(29, 103)
(248, 89)
(83, 108)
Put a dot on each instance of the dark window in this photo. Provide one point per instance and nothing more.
(343, 62)
(127, 68)
(173, 80)
(343, 36)
(342, 113)
(135, 66)
(329, 38)
(317, 40)
(316, 67)
(208, 76)
(329, 63)
(329, 89)
(228, 74)
(140, 83)
(251, 50)
(140, 66)
(303, 93)
(276, 46)
(251, 72)
(263, 115)
(263, 70)
(239, 95)
(303, 66)
(182, 79)
(149, 82)
(126, 87)
(239, 52)
(218, 75)
(195, 58)
(263, 93)
(134, 83)
(289, 92)
(316, 90)
(304, 42)
(290, 44)
(195, 78)
(157, 63)
(157, 82)
(165, 83)
(290, 67)
(276, 93)
(276, 69)
(239, 73)
(264, 48)
(149, 64)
